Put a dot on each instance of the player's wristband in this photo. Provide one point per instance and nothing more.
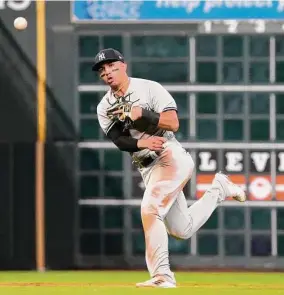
(121, 140)
(151, 117)
(127, 144)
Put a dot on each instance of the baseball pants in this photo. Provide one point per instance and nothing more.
(164, 208)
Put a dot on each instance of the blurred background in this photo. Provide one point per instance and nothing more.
(223, 62)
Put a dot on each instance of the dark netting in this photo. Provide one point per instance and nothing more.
(18, 97)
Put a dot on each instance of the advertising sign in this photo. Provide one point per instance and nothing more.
(174, 11)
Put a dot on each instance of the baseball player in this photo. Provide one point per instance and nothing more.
(140, 117)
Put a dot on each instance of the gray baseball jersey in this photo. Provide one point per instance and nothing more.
(147, 94)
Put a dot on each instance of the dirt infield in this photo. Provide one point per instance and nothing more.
(128, 285)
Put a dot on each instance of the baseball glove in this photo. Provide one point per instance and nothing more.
(125, 112)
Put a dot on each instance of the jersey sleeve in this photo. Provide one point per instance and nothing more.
(105, 123)
(162, 100)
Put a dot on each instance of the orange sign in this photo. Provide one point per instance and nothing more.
(258, 187)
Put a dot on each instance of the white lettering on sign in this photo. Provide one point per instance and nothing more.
(234, 161)
(209, 5)
(280, 7)
(114, 9)
(281, 162)
(15, 5)
(260, 160)
(206, 163)
(190, 6)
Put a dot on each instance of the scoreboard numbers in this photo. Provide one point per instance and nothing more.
(232, 26)
(253, 26)
(259, 26)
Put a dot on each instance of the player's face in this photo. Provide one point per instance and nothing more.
(113, 74)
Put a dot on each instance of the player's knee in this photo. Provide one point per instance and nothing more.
(148, 209)
(150, 204)
(181, 235)
(185, 235)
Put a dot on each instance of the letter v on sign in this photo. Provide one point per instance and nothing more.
(260, 160)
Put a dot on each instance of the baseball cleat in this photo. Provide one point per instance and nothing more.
(156, 282)
(230, 189)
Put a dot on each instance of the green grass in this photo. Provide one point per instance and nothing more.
(123, 283)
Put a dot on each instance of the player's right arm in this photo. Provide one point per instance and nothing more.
(126, 143)
(154, 143)
(122, 139)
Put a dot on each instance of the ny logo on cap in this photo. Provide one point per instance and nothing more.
(101, 56)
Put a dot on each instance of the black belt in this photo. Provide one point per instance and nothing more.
(143, 163)
(146, 162)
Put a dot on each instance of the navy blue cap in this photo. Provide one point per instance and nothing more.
(105, 56)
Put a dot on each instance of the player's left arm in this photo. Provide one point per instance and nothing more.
(167, 119)
(164, 109)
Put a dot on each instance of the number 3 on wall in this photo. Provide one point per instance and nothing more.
(259, 26)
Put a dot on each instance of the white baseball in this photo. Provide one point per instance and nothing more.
(20, 23)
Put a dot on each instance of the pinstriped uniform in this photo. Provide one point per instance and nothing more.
(163, 204)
